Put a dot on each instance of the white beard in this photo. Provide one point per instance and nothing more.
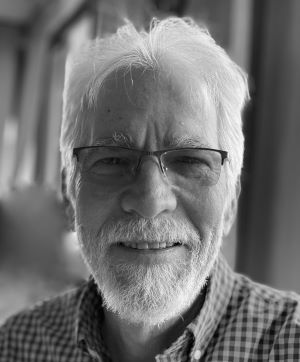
(149, 294)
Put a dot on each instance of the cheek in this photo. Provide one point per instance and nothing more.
(205, 209)
(93, 205)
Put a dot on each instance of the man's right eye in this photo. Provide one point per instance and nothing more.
(109, 166)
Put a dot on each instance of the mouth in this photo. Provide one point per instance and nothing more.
(149, 245)
(148, 253)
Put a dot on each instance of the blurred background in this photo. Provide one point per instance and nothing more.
(39, 256)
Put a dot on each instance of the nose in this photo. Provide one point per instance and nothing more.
(151, 194)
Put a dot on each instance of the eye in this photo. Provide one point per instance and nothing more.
(190, 165)
(188, 162)
(109, 166)
(191, 160)
(113, 161)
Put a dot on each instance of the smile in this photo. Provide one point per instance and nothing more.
(149, 246)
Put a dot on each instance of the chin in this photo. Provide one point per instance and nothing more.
(148, 295)
(153, 295)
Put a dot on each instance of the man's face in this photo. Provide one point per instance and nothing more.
(149, 244)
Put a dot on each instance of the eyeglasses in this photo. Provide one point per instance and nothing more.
(111, 165)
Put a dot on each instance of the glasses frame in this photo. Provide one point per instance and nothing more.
(157, 154)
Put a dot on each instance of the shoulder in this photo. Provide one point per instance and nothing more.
(34, 331)
(268, 317)
(263, 301)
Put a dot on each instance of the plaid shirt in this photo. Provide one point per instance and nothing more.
(239, 321)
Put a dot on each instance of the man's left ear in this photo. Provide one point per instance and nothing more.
(231, 209)
(68, 207)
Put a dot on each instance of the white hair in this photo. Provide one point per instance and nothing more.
(150, 294)
(178, 47)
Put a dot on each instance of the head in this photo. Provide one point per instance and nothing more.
(150, 240)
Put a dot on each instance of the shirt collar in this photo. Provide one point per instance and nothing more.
(90, 315)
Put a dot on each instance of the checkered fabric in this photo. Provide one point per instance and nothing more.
(239, 321)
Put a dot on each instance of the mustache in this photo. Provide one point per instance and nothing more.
(169, 230)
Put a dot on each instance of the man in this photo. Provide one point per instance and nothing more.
(152, 147)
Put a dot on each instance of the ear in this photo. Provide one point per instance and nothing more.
(231, 209)
(69, 209)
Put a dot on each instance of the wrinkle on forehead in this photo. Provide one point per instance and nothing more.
(128, 81)
(145, 90)
(151, 83)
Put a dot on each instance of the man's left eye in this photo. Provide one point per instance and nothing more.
(187, 160)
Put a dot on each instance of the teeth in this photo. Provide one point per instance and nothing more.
(145, 246)
(130, 245)
(142, 246)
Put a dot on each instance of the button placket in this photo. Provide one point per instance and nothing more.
(197, 355)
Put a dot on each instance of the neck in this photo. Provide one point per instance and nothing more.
(140, 342)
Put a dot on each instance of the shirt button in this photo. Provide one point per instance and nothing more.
(197, 354)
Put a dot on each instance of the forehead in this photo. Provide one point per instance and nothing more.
(151, 109)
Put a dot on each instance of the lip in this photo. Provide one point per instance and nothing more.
(124, 254)
(148, 246)
(149, 251)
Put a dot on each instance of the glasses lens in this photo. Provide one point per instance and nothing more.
(201, 166)
(108, 162)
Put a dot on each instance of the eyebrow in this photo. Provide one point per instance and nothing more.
(123, 140)
(117, 139)
(186, 141)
